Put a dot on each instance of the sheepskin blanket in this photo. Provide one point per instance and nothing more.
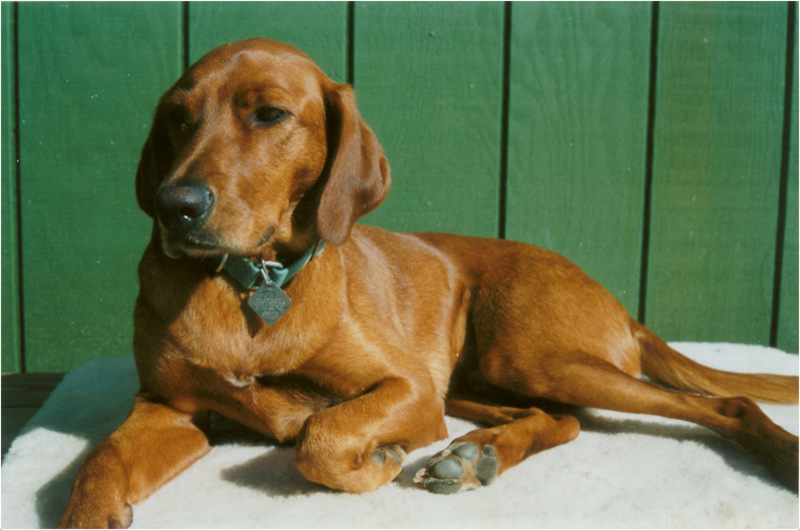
(622, 471)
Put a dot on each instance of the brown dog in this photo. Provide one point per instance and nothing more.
(254, 158)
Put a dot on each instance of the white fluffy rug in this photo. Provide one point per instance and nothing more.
(622, 471)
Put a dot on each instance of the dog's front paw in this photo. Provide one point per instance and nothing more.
(94, 516)
(462, 466)
(344, 471)
(394, 452)
(98, 498)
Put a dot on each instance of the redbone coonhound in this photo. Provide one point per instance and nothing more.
(260, 300)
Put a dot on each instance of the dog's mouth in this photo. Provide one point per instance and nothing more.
(266, 237)
(196, 243)
(201, 243)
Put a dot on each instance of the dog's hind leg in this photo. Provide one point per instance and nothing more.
(584, 380)
(480, 456)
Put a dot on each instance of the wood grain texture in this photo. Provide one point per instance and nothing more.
(86, 107)
(788, 309)
(716, 172)
(428, 79)
(11, 325)
(577, 135)
(318, 28)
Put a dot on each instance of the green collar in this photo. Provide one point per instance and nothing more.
(248, 274)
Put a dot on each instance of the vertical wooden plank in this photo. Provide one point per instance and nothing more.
(787, 338)
(577, 135)
(318, 28)
(716, 172)
(90, 75)
(428, 80)
(11, 351)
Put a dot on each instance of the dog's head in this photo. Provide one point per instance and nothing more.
(255, 151)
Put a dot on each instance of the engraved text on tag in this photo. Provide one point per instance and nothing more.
(269, 302)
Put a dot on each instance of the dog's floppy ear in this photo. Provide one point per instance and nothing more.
(156, 160)
(358, 172)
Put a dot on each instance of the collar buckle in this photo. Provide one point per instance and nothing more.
(267, 267)
(249, 274)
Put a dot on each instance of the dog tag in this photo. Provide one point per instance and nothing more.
(269, 302)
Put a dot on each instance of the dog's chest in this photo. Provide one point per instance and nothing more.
(275, 405)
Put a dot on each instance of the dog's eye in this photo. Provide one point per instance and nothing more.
(179, 121)
(181, 130)
(266, 116)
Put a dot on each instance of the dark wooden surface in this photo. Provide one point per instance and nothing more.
(22, 396)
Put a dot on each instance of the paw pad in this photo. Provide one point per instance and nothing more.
(462, 466)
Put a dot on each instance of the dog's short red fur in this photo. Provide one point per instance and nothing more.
(386, 332)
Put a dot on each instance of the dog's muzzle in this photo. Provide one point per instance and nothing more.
(181, 210)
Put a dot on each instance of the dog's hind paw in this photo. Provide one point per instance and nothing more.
(462, 466)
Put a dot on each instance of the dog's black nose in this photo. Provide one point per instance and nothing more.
(182, 208)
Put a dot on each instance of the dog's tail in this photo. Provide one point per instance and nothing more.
(666, 366)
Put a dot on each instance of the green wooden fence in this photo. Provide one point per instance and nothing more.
(653, 144)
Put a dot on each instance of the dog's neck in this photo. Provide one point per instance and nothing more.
(250, 273)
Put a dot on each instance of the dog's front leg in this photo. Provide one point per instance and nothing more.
(360, 445)
(154, 444)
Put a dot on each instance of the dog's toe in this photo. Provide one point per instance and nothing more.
(462, 466)
(395, 452)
